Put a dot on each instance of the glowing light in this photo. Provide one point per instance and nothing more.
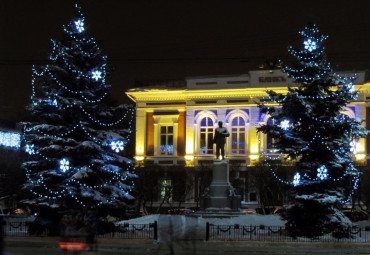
(10, 139)
(96, 75)
(310, 45)
(139, 158)
(30, 149)
(117, 146)
(360, 156)
(285, 124)
(253, 157)
(189, 157)
(64, 165)
(322, 173)
(353, 145)
(79, 25)
(296, 179)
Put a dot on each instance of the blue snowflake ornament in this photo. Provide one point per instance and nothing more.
(310, 45)
(117, 146)
(296, 179)
(79, 25)
(64, 165)
(322, 173)
(285, 124)
(30, 149)
(96, 75)
(353, 146)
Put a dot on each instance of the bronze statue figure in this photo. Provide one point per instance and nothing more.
(220, 139)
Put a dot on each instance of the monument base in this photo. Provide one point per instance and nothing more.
(220, 196)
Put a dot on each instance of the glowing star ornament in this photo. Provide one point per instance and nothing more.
(296, 179)
(30, 149)
(79, 25)
(96, 75)
(310, 45)
(117, 146)
(64, 165)
(322, 173)
(285, 124)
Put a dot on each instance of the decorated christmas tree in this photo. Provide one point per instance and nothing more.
(309, 127)
(75, 141)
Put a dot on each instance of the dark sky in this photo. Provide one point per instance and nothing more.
(167, 40)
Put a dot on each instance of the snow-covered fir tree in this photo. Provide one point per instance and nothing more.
(310, 128)
(75, 141)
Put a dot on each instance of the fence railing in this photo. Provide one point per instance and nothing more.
(124, 231)
(279, 234)
(134, 231)
(15, 228)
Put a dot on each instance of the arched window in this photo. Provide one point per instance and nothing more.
(206, 136)
(238, 135)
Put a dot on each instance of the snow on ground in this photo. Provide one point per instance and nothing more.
(173, 227)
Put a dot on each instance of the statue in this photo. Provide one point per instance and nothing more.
(220, 140)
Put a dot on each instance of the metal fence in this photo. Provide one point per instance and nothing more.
(125, 231)
(279, 234)
(133, 231)
(15, 228)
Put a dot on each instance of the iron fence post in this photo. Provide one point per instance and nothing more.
(155, 230)
(207, 231)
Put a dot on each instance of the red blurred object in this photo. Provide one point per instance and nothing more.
(73, 246)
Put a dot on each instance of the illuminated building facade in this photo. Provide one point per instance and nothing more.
(175, 125)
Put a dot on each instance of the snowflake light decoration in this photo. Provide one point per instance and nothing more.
(351, 87)
(117, 146)
(353, 146)
(10, 139)
(79, 25)
(296, 179)
(322, 172)
(30, 149)
(285, 124)
(96, 75)
(310, 45)
(64, 165)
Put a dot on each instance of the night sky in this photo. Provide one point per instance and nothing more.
(170, 40)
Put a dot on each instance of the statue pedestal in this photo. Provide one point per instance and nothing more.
(220, 195)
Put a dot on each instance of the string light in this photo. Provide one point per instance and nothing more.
(57, 96)
(317, 85)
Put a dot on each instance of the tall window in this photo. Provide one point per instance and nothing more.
(166, 190)
(270, 141)
(238, 135)
(206, 136)
(166, 140)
